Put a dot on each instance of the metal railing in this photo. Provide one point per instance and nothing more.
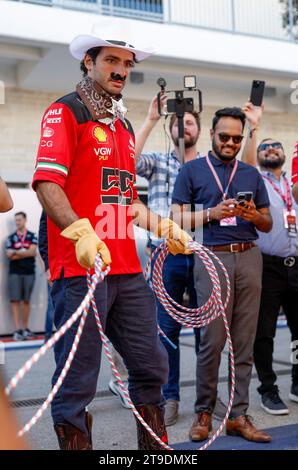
(276, 19)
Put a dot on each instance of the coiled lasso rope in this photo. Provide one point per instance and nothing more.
(82, 311)
(201, 316)
(191, 318)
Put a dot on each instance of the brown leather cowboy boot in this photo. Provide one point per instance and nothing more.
(154, 417)
(201, 427)
(72, 438)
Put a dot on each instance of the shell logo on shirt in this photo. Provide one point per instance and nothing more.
(100, 135)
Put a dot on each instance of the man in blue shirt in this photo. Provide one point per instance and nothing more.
(280, 275)
(230, 230)
(161, 170)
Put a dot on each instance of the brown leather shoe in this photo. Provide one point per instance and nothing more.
(201, 426)
(243, 427)
(72, 438)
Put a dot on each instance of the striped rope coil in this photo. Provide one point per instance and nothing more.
(190, 318)
(82, 312)
(198, 317)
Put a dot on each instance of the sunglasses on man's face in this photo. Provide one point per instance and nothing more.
(224, 138)
(274, 145)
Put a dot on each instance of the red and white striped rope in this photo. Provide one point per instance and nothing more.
(202, 316)
(119, 380)
(191, 318)
(81, 311)
(60, 379)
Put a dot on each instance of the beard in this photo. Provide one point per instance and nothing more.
(272, 164)
(189, 141)
(222, 157)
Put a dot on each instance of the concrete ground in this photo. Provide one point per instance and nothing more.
(114, 426)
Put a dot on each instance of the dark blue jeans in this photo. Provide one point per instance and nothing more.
(49, 315)
(177, 278)
(128, 313)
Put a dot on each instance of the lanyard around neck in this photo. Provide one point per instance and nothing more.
(287, 198)
(224, 192)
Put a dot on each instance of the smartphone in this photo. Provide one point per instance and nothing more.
(243, 197)
(187, 105)
(257, 92)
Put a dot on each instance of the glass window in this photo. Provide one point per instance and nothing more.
(152, 6)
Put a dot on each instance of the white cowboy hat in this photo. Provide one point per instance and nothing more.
(81, 44)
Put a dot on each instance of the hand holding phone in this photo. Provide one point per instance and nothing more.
(257, 92)
(243, 197)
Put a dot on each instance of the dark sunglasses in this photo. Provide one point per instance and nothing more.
(237, 139)
(274, 145)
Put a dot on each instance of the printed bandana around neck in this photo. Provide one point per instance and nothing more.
(100, 104)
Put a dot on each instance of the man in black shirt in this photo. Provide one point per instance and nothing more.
(21, 251)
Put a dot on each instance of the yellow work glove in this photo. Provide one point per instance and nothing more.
(177, 239)
(87, 243)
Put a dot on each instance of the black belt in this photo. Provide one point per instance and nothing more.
(289, 261)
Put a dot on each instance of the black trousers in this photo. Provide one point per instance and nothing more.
(279, 289)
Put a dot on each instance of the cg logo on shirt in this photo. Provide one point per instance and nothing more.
(100, 135)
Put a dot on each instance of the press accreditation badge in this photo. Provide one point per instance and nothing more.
(290, 221)
(228, 222)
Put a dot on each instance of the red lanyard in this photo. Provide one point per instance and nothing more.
(287, 199)
(22, 237)
(224, 193)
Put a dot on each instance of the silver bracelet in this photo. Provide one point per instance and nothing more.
(208, 214)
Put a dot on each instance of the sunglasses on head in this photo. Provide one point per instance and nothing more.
(237, 139)
(274, 145)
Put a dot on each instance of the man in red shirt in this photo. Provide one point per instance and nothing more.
(84, 178)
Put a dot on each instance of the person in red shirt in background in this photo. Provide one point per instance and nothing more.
(295, 173)
(84, 179)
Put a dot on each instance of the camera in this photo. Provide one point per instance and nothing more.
(179, 104)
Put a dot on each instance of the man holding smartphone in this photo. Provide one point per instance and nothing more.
(161, 170)
(229, 230)
(280, 274)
